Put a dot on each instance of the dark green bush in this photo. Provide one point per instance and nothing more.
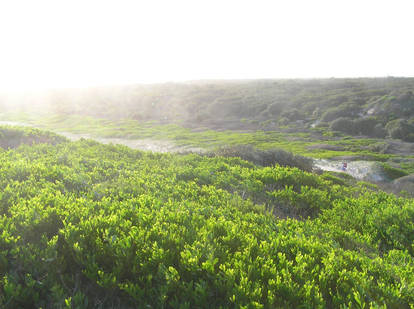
(379, 131)
(405, 183)
(392, 172)
(365, 126)
(283, 121)
(292, 114)
(380, 147)
(403, 105)
(400, 128)
(12, 137)
(344, 110)
(269, 157)
(342, 124)
(360, 126)
(273, 109)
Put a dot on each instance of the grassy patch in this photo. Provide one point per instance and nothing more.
(301, 143)
(392, 172)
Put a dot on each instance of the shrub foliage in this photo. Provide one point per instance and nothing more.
(85, 225)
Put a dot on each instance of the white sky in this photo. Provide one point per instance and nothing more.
(82, 43)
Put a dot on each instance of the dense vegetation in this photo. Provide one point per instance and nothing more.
(11, 137)
(374, 103)
(84, 225)
(364, 118)
(245, 224)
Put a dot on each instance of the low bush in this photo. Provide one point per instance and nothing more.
(350, 109)
(12, 137)
(360, 126)
(365, 126)
(404, 184)
(379, 131)
(401, 129)
(292, 114)
(269, 157)
(342, 124)
(392, 172)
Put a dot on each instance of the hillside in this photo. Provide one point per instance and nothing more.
(365, 120)
(237, 212)
(86, 225)
(376, 107)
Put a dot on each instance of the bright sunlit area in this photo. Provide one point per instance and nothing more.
(46, 44)
(206, 154)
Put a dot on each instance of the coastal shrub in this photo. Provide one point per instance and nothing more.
(269, 157)
(365, 126)
(12, 137)
(392, 172)
(400, 128)
(361, 126)
(342, 124)
(292, 114)
(350, 109)
(86, 225)
(379, 131)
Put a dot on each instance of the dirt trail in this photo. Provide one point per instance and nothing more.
(15, 123)
(363, 170)
(141, 144)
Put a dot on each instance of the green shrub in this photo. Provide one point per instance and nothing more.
(379, 131)
(284, 121)
(12, 137)
(392, 172)
(360, 126)
(403, 105)
(401, 129)
(365, 126)
(269, 157)
(343, 110)
(86, 225)
(342, 124)
(292, 114)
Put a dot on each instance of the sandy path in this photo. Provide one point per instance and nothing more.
(363, 170)
(141, 144)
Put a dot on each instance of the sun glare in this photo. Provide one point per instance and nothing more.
(48, 44)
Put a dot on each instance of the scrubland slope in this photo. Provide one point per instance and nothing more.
(86, 225)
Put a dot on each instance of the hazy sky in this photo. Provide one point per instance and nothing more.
(79, 43)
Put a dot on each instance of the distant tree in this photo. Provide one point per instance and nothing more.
(316, 112)
(344, 110)
(403, 105)
(274, 109)
(365, 126)
(292, 114)
(343, 124)
(283, 121)
(379, 131)
(400, 128)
